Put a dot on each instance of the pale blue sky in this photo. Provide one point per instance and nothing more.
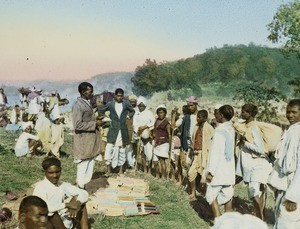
(78, 39)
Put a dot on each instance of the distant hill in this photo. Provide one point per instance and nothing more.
(101, 82)
(226, 68)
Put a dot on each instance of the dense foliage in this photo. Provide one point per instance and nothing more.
(228, 67)
(285, 26)
(261, 96)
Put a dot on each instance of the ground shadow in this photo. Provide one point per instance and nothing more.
(240, 205)
(246, 207)
(201, 206)
(95, 184)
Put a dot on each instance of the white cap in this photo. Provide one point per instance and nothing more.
(161, 106)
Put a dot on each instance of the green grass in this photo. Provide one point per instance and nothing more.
(18, 174)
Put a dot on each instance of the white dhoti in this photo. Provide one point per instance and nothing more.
(129, 157)
(84, 171)
(162, 150)
(223, 193)
(114, 155)
(148, 151)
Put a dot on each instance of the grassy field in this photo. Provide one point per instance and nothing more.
(18, 174)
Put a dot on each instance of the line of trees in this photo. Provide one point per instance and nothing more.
(229, 65)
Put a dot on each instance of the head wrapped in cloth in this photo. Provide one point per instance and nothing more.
(142, 100)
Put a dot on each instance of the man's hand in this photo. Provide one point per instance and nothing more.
(290, 206)
(241, 142)
(209, 177)
(73, 207)
(141, 129)
(99, 121)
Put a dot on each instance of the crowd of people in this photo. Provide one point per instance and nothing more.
(38, 119)
(182, 146)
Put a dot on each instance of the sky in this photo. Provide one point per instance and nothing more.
(74, 40)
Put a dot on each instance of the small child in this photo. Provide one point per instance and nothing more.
(27, 142)
(162, 136)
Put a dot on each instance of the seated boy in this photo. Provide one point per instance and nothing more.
(54, 193)
(33, 213)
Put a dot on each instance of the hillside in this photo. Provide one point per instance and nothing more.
(229, 66)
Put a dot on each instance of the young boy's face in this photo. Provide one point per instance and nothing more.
(119, 97)
(161, 114)
(53, 173)
(200, 119)
(245, 115)
(36, 218)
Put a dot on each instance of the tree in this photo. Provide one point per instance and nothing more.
(285, 26)
(261, 96)
(296, 84)
(145, 78)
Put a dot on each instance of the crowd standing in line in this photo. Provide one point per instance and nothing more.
(181, 148)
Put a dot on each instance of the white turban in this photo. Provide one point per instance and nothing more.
(143, 100)
(26, 124)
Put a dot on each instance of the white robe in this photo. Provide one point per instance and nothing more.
(288, 155)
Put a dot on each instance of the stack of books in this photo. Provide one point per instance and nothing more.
(124, 196)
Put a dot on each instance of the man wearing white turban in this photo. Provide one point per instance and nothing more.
(143, 122)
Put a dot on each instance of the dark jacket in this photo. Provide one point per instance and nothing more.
(117, 123)
(186, 123)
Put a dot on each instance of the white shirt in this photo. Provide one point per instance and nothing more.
(193, 118)
(145, 117)
(119, 108)
(54, 195)
(222, 170)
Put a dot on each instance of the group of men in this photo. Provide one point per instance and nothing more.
(215, 153)
(206, 151)
(40, 120)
